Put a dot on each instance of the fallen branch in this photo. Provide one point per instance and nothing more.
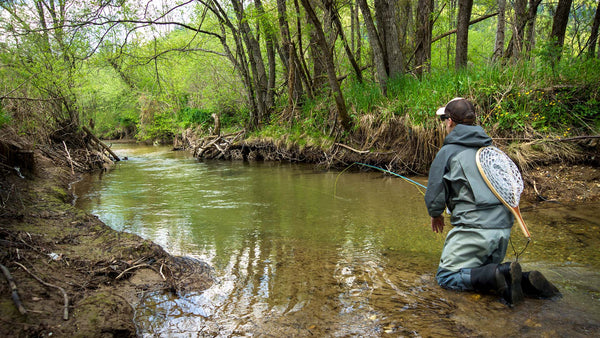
(64, 293)
(205, 148)
(69, 158)
(531, 139)
(13, 289)
(574, 138)
(107, 148)
(161, 273)
(352, 149)
(135, 267)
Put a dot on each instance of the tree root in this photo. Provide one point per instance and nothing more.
(64, 293)
(14, 290)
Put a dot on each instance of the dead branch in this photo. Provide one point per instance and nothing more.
(69, 158)
(472, 22)
(352, 149)
(575, 138)
(530, 139)
(135, 267)
(107, 148)
(13, 289)
(64, 293)
(214, 146)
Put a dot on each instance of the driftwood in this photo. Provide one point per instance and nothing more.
(352, 149)
(13, 289)
(137, 267)
(216, 146)
(97, 140)
(64, 293)
(69, 158)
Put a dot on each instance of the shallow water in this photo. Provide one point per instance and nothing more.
(301, 252)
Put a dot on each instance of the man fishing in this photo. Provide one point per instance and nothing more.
(476, 246)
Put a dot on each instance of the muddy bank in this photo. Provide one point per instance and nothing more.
(74, 275)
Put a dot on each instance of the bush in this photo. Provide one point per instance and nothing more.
(162, 128)
(4, 118)
(193, 116)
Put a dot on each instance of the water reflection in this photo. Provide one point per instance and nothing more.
(293, 258)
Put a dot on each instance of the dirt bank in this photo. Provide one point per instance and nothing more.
(74, 275)
(562, 183)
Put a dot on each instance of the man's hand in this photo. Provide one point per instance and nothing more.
(437, 224)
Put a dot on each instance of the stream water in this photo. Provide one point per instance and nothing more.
(302, 252)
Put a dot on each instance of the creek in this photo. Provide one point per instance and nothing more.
(298, 251)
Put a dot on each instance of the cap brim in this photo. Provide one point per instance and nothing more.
(442, 111)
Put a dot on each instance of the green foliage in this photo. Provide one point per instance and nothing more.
(161, 128)
(4, 118)
(194, 116)
(525, 97)
(363, 96)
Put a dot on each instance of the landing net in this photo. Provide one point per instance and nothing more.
(502, 173)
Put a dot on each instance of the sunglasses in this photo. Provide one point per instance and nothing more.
(444, 117)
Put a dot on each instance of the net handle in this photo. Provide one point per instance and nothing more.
(514, 210)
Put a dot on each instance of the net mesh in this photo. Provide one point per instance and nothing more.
(502, 173)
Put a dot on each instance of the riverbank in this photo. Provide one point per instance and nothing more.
(105, 273)
(74, 275)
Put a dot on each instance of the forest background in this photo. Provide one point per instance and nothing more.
(313, 73)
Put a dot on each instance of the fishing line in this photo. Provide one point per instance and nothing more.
(416, 184)
(517, 255)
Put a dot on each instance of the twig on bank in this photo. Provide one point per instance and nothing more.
(13, 289)
(161, 273)
(102, 144)
(69, 158)
(578, 138)
(135, 267)
(530, 139)
(352, 149)
(64, 293)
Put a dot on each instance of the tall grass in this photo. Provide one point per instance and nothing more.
(523, 97)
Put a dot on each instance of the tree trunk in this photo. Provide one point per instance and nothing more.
(406, 21)
(462, 33)
(355, 32)
(423, 36)
(500, 31)
(293, 68)
(270, 40)
(330, 67)
(333, 12)
(319, 69)
(515, 45)
(257, 66)
(386, 13)
(239, 59)
(530, 28)
(376, 46)
(559, 26)
(301, 61)
(594, 34)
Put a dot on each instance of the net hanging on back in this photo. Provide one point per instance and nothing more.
(504, 179)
